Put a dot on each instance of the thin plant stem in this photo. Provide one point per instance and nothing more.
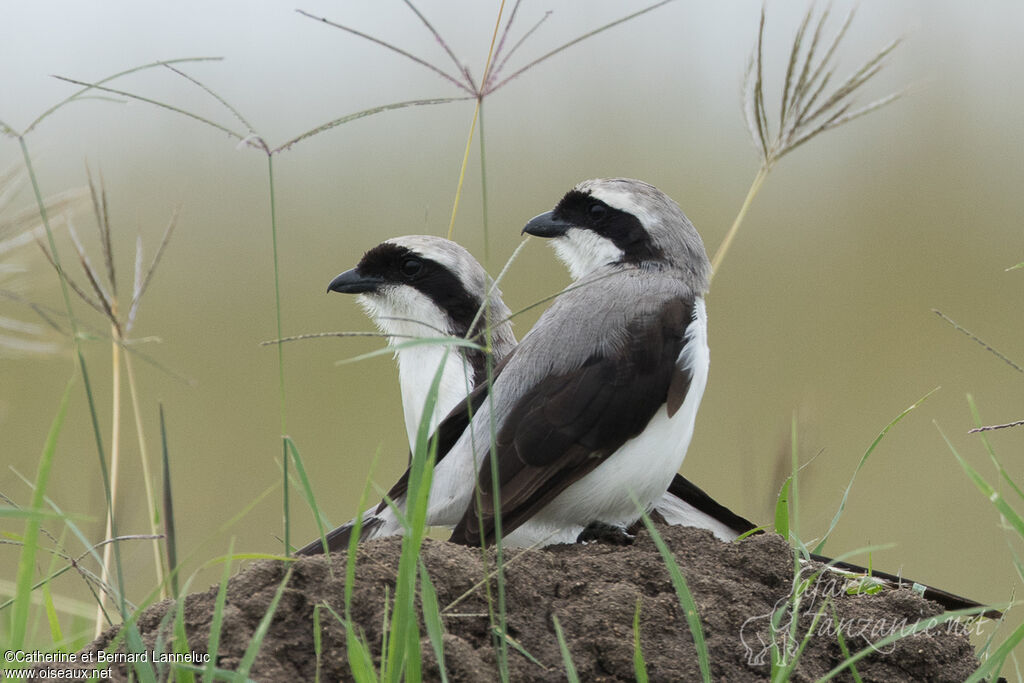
(147, 480)
(990, 428)
(80, 358)
(794, 501)
(280, 352)
(115, 466)
(580, 39)
(975, 338)
(472, 126)
(277, 292)
(391, 47)
(805, 109)
(755, 187)
(499, 545)
(462, 171)
(86, 87)
(483, 198)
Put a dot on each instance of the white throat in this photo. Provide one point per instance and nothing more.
(583, 251)
(405, 314)
(417, 366)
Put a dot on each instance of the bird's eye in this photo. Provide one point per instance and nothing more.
(411, 267)
(597, 211)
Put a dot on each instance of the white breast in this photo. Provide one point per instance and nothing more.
(643, 466)
(408, 314)
(417, 366)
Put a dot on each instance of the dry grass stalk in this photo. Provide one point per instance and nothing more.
(806, 107)
(105, 299)
(498, 53)
(18, 228)
(1001, 356)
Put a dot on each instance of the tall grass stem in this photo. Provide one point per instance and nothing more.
(723, 249)
(147, 478)
(115, 462)
(79, 357)
(472, 126)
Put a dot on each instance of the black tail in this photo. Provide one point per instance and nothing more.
(948, 600)
(690, 493)
(693, 495)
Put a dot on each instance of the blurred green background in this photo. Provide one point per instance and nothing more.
(822, 310)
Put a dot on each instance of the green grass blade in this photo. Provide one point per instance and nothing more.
(991, 451)
(384, 632)
(171, 537)
(87, 385)
(143, 670)
(991, 667)
(56, 634)
(30, 543)
(217, 620)
(570, 668)
(499, 545)
(518, 647)
(811, 631)
(748, 534)
(994, 497)
(794, 517)
(261, 631)
(842, 646)
(639, 665)
(318, 645)
(432, 619)
(864, 458)
(360, 661)
(403, 654)
(307, 489)
(160, 643)
(686, 600)
(181, 636)
(782, 509)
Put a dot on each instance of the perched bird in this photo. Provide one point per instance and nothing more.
(424, 286)
(595, 407)
(421, 303)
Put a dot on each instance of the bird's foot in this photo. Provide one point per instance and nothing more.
(602, 532)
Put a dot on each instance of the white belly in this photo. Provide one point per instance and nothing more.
(417, 366)
(642, 468)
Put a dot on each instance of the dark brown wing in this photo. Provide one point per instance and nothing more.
(567, 424)
(448, 432)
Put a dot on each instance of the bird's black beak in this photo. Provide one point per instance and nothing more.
(547, 225)
(351, 282)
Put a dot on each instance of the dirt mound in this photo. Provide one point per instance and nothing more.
(593, 589)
